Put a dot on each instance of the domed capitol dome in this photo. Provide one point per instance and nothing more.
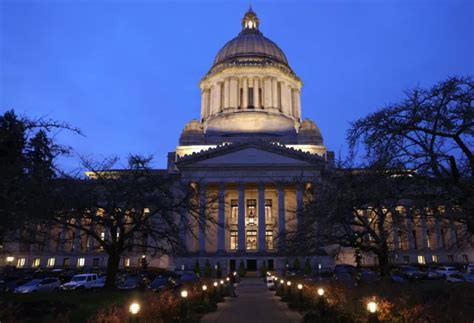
(251, 93)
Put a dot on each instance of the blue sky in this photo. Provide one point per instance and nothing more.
(126, 72)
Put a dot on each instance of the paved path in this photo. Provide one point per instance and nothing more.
(255, 303)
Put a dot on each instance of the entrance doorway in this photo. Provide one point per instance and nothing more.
(271, 265)
(232, 265)
(251, 264)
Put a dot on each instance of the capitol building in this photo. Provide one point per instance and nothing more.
(253, 152)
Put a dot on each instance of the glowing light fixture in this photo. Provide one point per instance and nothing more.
(134, 308)
(215, 284)
(372, 306)
(320, 291)
(184, 293)
(288, 283)
(300, 286)
(204, 287)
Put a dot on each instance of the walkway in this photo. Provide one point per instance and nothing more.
(254, 304)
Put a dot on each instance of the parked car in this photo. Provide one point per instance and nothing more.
(455, 277)
(187, 277)
(269, 282)
(445, 270)
(412, 273)
(433, 274)
(368, 276)
(470, 268)
(100, 283)
(469, 277)
(39, 285)
(134, 282)
(83, 281)
(161, 283)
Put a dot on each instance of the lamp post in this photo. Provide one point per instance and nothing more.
(204, 292)
(282, 285)
(184, 305)
(321, 300)
(134, 309)
(300, 292)
(372, 307)
(288, 283)
(222, 287)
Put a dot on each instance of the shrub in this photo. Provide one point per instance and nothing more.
(207, 269)
(296, 264)
(218, 270)
(307, 267)
(263, 269)
(197, 269)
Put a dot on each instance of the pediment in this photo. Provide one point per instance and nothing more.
(251, 155)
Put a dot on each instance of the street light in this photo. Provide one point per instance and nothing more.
(184, 294)
(134, 309)
(320, 292)
(184, 307)
(288, 283)
(372, 308)
(300, 292)
(215, 284)
(204, 288)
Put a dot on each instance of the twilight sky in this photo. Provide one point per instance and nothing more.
(126, 72)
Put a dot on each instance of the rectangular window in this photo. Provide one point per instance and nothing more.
(126, 262)
(268, 212)
(95, 262)
(51, 262)
(36, 262)
(234, 241)
(450, 258)
(434, 258)
(102, 237)
(428, 238)
(251, 212)
(81, 262)
(269, 239)
(251, 240)
(21, 262)
(406, 259)
(415, 242)
(66, 262)
(250, 94)
(234, 211)
(421, 260)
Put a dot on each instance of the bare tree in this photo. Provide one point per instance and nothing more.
(135, 208)
(430, 132)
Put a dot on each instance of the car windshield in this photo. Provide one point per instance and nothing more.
(78, 278)
(33, 282)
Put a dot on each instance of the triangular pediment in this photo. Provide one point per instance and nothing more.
(251, 155)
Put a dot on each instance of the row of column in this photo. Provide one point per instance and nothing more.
(233, 93)
(261, 229)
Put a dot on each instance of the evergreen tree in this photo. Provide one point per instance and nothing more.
(218, 270)
(197, 269)
(263, 269)
(242, 270)
(207, 269)
(296, 264)
(307, 267)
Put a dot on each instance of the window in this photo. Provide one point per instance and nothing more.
(421, 260)
(251, 240)
(80, 262)
(464, 258)
(36, 262)
(414, 239)
(102, 237)
(51, 262)
(58, 241)
(400, 239)
(434, 258)
(269, 239)
(234, 242)
(250, 94)
(268, 212)
(66, 262)
(428, 239)
(251, 212)
(406, 259)
(21, 262)
(234, 211)
(95, 262)
(126, 262)
(450, 258)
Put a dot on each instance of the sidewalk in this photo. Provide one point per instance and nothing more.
(254, 304)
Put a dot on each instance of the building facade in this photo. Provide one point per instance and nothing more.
(251, 153)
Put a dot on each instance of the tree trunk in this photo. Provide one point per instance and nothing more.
(384, 264)
(112, 268)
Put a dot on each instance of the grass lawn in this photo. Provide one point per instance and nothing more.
(38, 307)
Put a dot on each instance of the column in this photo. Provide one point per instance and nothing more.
(90, 238)
(245, 94)
(77, 236)
(241, 218)
(234, 92)
(395, 236)
(453, 240)
(202, 218)
(216, 104)
(297, 104)
(423, 228)
(274, 93)
(281, 216)
(438, 235)
(221, 219)
(261, 217)
(62, 238)
(203, 103)
(267, 102)
(289, 100)
(256, 93)
(409, 225)
(226, 93)
(299, 205)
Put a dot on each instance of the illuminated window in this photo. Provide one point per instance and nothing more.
(21, 262)
(251, 240)
(234, 241)
(428, 238)
(126, 262)
(66, 262)
(234, 211)
(51, 262)
(421, 260)
(434, 258)
(268, 212)
(400, 239)
(36, 262)
(251, 212)
(269, 239)
(81, 262)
